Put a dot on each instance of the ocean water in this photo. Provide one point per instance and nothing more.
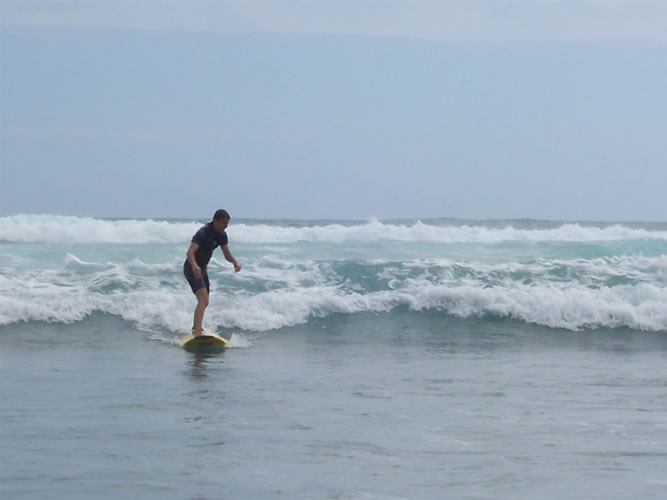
(373, 359)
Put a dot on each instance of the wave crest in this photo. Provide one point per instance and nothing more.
(56, 229)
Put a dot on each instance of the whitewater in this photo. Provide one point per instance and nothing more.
(562, 275)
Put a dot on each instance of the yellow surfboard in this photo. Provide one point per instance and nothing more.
(207, 343)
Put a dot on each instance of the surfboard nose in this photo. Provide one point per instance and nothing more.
(208, 343)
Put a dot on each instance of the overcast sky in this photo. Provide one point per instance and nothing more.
(550, 109)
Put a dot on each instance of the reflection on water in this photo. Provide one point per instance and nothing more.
(201, 363)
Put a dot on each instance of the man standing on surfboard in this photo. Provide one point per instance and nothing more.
(201, 249)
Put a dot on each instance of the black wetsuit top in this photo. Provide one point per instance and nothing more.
(208, 240)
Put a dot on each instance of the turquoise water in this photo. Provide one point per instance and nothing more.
(575, 276)
(400, 359)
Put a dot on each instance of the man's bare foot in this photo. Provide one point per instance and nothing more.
(198, 333)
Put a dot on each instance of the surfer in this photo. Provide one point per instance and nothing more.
(201, 249)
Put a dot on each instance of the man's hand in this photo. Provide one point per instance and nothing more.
(230, 258)
(196, 270)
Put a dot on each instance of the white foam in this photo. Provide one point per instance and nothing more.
(420, 232)
(72, 230)
(643, 307)
(239, 341)
(278, 293)
(58, 229)
(75, 263)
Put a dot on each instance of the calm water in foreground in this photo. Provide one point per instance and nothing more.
(392, 405)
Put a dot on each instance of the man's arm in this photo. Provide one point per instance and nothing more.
(230, 258)
(191, 258)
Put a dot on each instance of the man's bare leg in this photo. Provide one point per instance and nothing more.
(202, 303)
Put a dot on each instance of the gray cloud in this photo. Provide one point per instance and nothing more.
(463, 20)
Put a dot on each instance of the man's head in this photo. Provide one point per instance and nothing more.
(220, 220)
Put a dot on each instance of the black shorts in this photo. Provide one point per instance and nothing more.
(196, 284)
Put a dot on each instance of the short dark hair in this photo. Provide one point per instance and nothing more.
(221, 214)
